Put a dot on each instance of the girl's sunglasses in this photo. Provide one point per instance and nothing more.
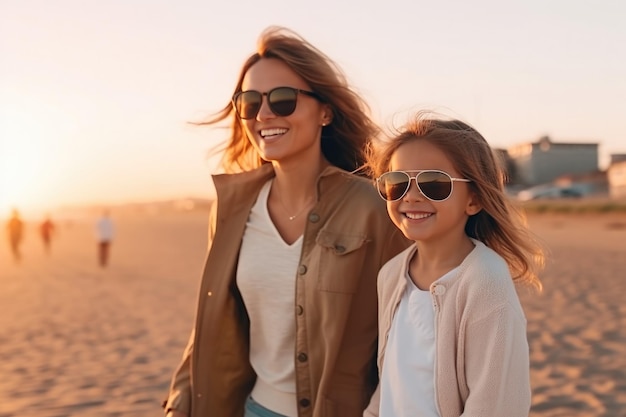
(281, 100)
(433, 184)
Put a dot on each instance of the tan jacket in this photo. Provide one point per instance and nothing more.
(482, 364)
(348, 237)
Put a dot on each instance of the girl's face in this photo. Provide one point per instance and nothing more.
(282, 139)
(419, 218)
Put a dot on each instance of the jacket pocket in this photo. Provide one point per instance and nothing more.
(341, 259)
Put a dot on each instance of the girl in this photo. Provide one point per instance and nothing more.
(286, 323)
(452, 333)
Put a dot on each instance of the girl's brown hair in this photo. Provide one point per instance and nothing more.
(344, 140)
(500, 224)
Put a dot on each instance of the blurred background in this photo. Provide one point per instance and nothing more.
(95, 97)
(95, 103)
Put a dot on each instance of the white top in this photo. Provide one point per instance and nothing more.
(478, 315)
(266, 277)
(104, 229)
(407, 378)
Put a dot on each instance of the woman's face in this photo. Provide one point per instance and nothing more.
(284, 139)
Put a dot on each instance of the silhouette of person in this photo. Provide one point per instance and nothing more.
(15, 231)
(46, 230)
(104, 234)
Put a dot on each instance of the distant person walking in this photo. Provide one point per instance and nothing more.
(46, 230)
(15, 231)
(104, 234)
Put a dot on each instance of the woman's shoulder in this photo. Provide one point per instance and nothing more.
(361, 186)
(263, 172)
(237, 183)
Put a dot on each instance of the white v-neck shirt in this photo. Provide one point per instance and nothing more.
(407, 378)
(266, 277)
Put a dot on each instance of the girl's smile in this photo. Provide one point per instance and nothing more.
(417, 215)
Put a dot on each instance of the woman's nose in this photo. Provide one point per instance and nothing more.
(265, 112)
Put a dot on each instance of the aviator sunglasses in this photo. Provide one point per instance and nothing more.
(281, 100)
(433, 184)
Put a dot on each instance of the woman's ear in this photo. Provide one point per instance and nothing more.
(327, 115)
(473, 205)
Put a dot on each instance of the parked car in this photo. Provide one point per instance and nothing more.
(549, 191)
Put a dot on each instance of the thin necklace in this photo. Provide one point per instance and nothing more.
(292, 217)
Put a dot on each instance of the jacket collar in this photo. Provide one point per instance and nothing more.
(244, 186)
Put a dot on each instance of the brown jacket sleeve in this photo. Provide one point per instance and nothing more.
(179, 397)
(180, 388)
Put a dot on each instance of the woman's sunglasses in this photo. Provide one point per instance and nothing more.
(281, 100)
(433, 184)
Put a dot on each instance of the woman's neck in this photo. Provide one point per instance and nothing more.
(293, 194)
(297, 184)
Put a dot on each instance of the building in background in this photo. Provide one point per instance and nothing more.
(543, 161)
(617, 157)
(616, 174)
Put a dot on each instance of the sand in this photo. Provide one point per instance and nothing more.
(79, 340)
(577, 325)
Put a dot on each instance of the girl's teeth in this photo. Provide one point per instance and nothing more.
(414, 216)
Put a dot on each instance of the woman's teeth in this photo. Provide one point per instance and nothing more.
(272, 132)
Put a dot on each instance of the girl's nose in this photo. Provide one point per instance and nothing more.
(413, 193)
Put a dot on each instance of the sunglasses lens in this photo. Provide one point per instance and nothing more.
(393, 185)
(436, 186)
(248, 104)
(282, 101)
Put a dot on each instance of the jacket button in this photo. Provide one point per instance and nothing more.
(302, 357)
(199, 395)
(340, 249)
(302, 269)
(209, 293)
(440, 290)
(314, 217)
(299, 310)
(305, 402)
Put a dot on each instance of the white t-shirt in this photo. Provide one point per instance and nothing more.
(266, 277)
(104, 230)
(407, 379)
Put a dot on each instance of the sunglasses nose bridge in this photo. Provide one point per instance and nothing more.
(413, 192)
(265, 110)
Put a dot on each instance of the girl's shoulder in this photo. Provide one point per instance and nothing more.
(484, 261)
(484, 276)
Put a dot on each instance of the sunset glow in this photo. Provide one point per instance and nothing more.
(23, 165)
(95, 98)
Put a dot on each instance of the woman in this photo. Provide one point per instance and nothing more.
(286, 319)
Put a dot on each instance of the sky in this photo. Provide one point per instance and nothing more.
(96, 96)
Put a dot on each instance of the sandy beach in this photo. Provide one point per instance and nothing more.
(79, 340)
